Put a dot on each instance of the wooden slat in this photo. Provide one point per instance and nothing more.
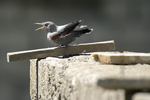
(55, 51)
(122, 58)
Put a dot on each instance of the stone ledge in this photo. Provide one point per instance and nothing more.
(76, 78)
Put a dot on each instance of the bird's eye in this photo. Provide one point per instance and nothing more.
(46, 24)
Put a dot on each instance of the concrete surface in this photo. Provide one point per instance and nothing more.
(141, 96)
(78, 77)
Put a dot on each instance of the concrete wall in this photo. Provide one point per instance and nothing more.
(81, 78)
(75, 78)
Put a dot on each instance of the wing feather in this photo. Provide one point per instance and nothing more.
(67, 29)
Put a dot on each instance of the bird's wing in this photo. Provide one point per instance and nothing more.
(82, 30)
(65, 29)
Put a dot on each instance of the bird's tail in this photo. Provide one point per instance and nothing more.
(82, 30)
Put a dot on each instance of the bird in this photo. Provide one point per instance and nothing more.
(63, 35)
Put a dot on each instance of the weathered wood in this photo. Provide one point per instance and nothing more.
(55, 51)
(122, 58)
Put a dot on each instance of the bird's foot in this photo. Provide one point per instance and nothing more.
(60, 46)
(65, 56)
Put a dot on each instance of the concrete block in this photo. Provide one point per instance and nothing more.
(80, 77)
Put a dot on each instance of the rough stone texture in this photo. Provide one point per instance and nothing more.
(77, 78)
(33, 89)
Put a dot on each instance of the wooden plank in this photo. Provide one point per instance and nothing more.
(122, 58)
(55, 51)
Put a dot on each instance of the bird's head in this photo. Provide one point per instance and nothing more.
(46, 25)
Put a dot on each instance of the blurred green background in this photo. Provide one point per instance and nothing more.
(125, 21)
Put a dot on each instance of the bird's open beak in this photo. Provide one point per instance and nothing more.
(39, 27)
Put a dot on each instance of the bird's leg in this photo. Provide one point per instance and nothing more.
(66, 46)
